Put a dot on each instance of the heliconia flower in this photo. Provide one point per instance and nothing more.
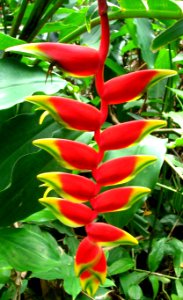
(106, 235)
(89, 283)
(74, 59)
(118, 199)
(121, 169)
(128, 133)
(75, 188)
(69, 112)
(69, 213)
(92, 277)
(131, 86)
(87, 256)
(70, 154)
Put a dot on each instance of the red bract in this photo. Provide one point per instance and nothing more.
(70, 113)
(74, 59)
(131, 86)
(69, 213)
(121, 169)
(107, 235)
(88, 255)
(81, 190)
(70, 154)
(118, 199)
(127, 134)
(94, 276)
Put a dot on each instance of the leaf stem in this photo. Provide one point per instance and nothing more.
(36, 14)
(156, 274)
(18, 19)
(42, 22)
(120, 14)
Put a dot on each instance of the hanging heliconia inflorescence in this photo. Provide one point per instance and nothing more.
(75, 190)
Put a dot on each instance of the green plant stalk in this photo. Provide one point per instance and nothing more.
(42, 22)
(4, 17)
(160, 201)
(36, 14)
(168, 102)
(122, 15)
(157, 274)
(18, 20)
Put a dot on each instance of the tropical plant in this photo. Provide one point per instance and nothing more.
(114, 154)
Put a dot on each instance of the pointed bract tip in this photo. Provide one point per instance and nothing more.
(37, 99)
(31, 48)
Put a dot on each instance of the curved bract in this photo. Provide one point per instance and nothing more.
(74, 59)
(81, 190)
(131, 86)
(108, 235)
(71, 113)
(71, 214)
(128, 133)
(70, 154)
(121, 170)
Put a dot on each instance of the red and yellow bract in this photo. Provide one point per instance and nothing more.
(69, 112)
(69, 213)
(70, 154)
(74, 59)
(82, 189)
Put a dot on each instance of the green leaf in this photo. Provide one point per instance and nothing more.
(175, 164)
(128, 280)
(174, 248)
(165, 5)
(156, 255)
(29, 249)
(155, 285)
(16, 135)
(169, 35)
(8, 41)
(5, 270)
(18, 81)
(144, 37)
(129, 5)
(20, 199)
(177, 117)
(40, 217)
(135, 292)
(179, 288)
(56, 272)
(120, 266)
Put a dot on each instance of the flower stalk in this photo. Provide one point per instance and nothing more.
(80, 200)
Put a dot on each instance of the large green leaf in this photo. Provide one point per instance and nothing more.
(18, 81)
(169, 35)
(16, 135)
(20, 199)
(29, 249)
(147, 178)
(8, 41)
(132, 5)
(144, 37)
(152, 7)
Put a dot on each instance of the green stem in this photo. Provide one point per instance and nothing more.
(36, 14)
(18, 19)
(122, 15)
(44, 20)
(4, 17)
(156, 274)
(160, 200)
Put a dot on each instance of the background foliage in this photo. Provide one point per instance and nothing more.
(36, 251)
